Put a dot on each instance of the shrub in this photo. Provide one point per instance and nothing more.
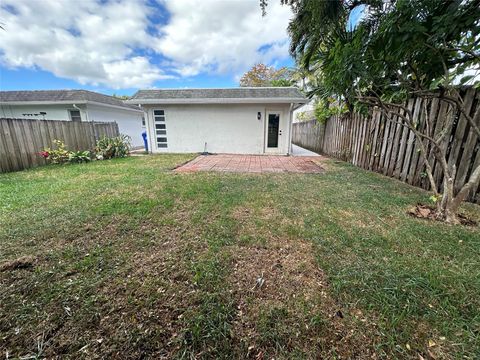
(79, 156)
(114, 147)
(58, 155)
(324, 109)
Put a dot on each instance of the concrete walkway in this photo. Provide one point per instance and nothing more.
(299, 151)
(254, 164)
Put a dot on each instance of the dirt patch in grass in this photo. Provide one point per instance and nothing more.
(284, 307)
(245, 216)
(123, 291)
(23, 262)
(428, 212)
(143, 310)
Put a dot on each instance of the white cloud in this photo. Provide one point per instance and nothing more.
(222, 36)
(85, 40)
(108, 43)
(137, 70)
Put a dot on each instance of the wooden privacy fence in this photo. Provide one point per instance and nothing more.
(376, 144)
(22, 139)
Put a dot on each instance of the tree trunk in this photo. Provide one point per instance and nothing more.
(447, 209)
(449, 204)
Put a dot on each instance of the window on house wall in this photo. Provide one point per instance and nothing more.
(160, 128)
(75, 115)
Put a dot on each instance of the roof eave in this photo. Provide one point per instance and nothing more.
(67, 102)
(218, 101)
(115, 106)
(48, 102)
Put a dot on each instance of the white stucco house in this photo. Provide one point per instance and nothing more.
(233, 121)
(74, 105)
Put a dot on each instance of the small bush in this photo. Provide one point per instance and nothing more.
(114, 147)
(58, 155)
(79, 156)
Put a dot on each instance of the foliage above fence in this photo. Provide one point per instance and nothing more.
(376, 144)
(22, 139)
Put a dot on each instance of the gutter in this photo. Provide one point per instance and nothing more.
(65, 102)
(218, 101)
(82, 111)
(298, 105)
(290, 124)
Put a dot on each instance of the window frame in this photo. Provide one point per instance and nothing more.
(159, 118)
(72, 117)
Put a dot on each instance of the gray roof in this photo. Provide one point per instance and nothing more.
(61, 96)
(272, 94)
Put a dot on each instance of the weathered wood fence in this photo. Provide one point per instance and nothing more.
(22, 139)
(376, 144)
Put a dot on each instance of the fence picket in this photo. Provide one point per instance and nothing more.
(418, 115)
(381, 134)
(395, 145)
(436, 127)
(22, 139)
(392, 149)
(391, 135)
(467, 155)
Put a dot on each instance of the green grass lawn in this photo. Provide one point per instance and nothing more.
(131, 260)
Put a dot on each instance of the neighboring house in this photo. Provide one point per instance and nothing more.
(73, 105)
(306, 112)
(237, 120)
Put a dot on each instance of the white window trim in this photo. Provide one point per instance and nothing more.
(70, 114)
(155, 129)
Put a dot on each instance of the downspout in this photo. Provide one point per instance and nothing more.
(291, 128)
(147, 128)
(264, 120)
(84, 111)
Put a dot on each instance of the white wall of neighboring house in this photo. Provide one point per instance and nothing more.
(226, 128)
(54, 112)
(306, 107)
(129, 122)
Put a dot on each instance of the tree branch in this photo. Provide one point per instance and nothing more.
(417, 133)
(473, 121)
(462, 194)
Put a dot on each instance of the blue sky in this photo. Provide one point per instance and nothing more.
(119, 46)
(355, 16)
(36, 79)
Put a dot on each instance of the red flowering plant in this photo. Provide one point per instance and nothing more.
(58, 155)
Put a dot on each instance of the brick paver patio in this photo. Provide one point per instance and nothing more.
(253, 164)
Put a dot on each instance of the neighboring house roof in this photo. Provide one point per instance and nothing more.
(44, 97)
(232, 95)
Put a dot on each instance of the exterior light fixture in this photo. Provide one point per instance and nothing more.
(259, 115)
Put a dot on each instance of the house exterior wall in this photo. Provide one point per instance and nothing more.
(54, 112)
(129, 122)
(226, 128)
